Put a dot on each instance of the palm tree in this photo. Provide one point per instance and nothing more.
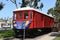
(34, 4)
(14, 2)
(31, 3)
(1, 5)
(41, 6)
(24, 3)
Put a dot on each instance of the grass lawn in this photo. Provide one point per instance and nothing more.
(57, 38)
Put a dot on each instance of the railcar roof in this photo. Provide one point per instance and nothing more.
(30, 8)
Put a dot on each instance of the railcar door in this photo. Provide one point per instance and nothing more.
(27, 18)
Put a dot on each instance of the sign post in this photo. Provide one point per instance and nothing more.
(23, 38)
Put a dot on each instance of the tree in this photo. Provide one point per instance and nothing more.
(41, 6)
(25, 3)
(55, 11)
(1, 5)
(34, 4)
(31, 3)
(14, 2)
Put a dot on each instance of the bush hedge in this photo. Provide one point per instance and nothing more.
(7, 33)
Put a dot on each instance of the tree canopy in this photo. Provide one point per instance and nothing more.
(55, 11)
(31, 3)
(1, 5)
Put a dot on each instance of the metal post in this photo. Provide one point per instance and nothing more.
(24, 34)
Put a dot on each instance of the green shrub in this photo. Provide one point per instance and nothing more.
(7, 33)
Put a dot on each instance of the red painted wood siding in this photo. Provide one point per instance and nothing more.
(39, 20)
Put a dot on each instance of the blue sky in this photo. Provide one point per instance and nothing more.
(7, 11)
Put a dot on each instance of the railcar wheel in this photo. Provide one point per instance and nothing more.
(18, 33)
(31, 33)
(55, 29)
(46, 30)
(37, 32)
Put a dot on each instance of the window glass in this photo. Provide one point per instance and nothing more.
(31, 15)
(20, 15)
(14, 16)
(25, 15)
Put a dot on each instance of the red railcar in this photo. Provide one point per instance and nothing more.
(31, 19)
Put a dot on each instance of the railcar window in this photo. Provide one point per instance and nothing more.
(20, 15)
(25, 15)
(31, 15)
(14, 16)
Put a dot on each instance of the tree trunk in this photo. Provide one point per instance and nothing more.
(59, 26)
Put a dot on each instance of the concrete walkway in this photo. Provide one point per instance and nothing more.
(44, 37)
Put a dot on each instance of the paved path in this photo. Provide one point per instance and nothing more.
(44, 37)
